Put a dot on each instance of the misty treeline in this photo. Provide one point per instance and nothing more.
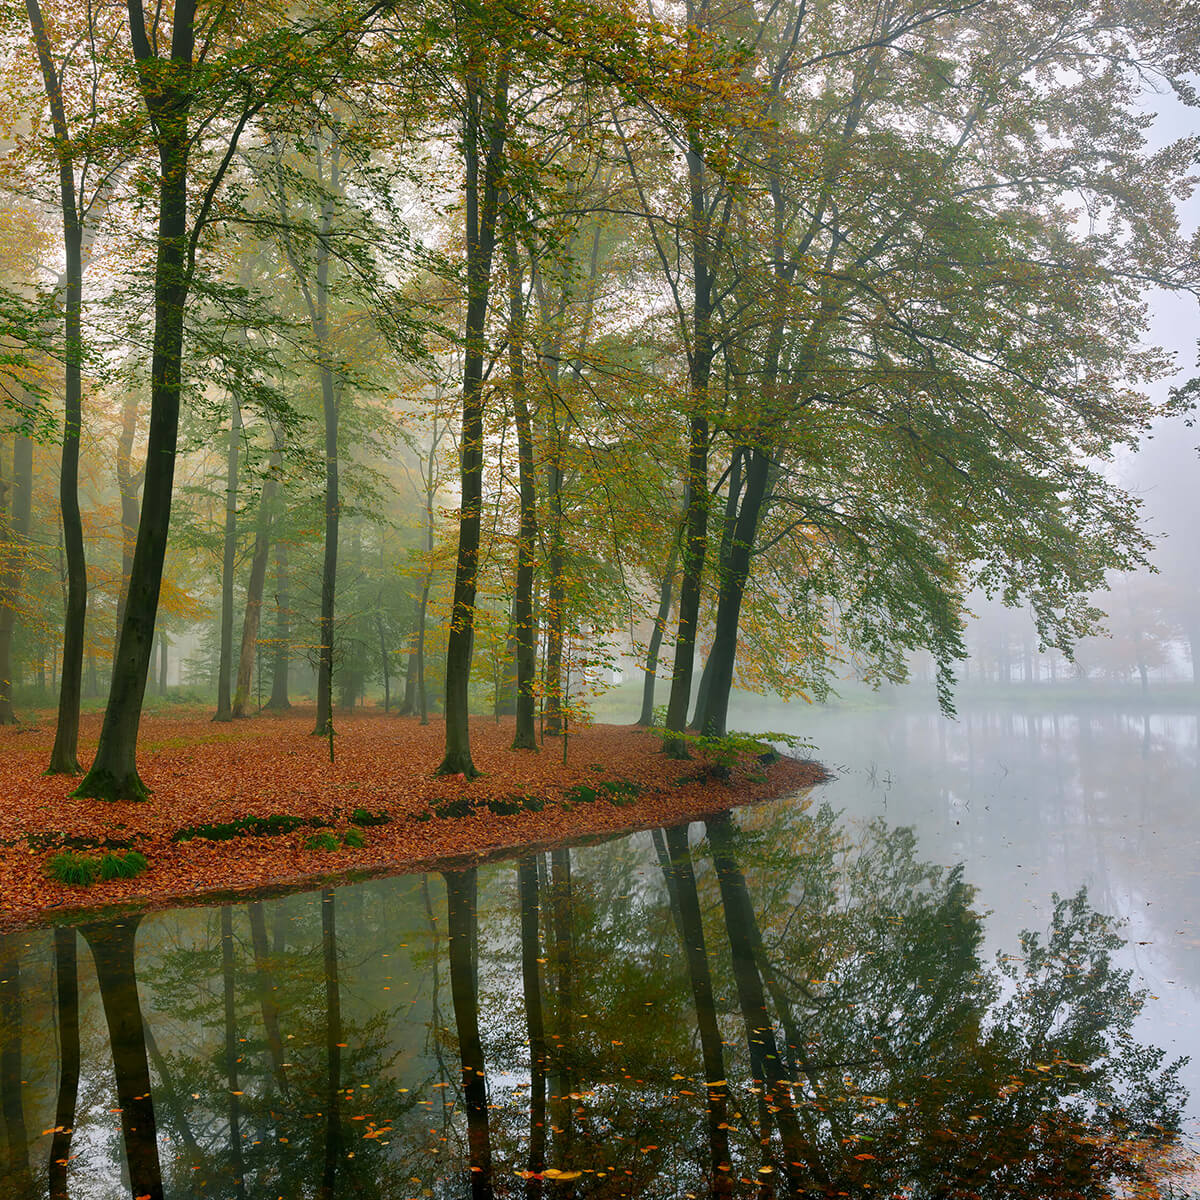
(458, 347)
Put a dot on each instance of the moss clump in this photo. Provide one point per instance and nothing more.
(42, 840)
(354, 838)
(272, 826)
(506, 806)
(462, 807)
(122, 866)
(77, 869)
(321, 841)
(620, 792)
(581, 794)
(362, 816)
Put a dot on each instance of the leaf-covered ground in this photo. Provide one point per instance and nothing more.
(203, 774)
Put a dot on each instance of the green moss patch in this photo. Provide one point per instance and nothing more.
(362, 816)
(272, 826)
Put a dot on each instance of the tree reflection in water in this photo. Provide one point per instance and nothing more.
(775, 1008)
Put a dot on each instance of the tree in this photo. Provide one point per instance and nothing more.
(75, 205)
(484, 125)
(172, 76)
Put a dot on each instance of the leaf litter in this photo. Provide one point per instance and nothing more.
(381, 791)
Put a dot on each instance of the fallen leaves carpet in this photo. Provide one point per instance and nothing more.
(207, 775)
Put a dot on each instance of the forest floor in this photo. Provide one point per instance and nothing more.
(380, 791)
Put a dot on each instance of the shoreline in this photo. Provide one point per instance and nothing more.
(270, 771)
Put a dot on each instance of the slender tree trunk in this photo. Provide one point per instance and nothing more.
(646, 718)
(422, 692)
(695, 546)
(254, 594)
(695, 540)
(481, 199)
(64, 757)
(383, 662)
(225, 666)
(66, 983)
(330, 407)
(733, 587)
(13, 569)
(128, 483)
(112, 949)
(535, 1021)
(113, 774)
(732, 496)
(162, 663)
(523, 629)
(461, 901)
(283, 632)
(408, 705)
(556, 594)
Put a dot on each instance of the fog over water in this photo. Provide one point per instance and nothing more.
(1035, 803)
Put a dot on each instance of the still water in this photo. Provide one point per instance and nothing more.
(870, 990)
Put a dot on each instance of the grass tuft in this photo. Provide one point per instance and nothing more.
(76, 869)
(122, 866)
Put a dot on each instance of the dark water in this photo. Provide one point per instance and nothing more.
(789, 1002)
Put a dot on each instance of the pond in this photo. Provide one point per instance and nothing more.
(832, 994)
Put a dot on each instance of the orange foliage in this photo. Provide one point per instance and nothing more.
(203, 773)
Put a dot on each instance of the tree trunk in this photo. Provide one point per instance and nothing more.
(330, 403)
(461, 900)
(695, 546)
(64, 757)
(113, 774)
(254, 593)
(523, 630)
(225, 666)
(695, 540)
(408, 705)
(13, 569)
(481, 236)
(732, 496)
(283, 633)
(733, 588)
(383, 662)
(128, 483)
(112, 949)
(646, 718)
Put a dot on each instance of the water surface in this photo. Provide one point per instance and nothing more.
(795, 1000)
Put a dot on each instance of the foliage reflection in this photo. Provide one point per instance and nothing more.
(763, 1006)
